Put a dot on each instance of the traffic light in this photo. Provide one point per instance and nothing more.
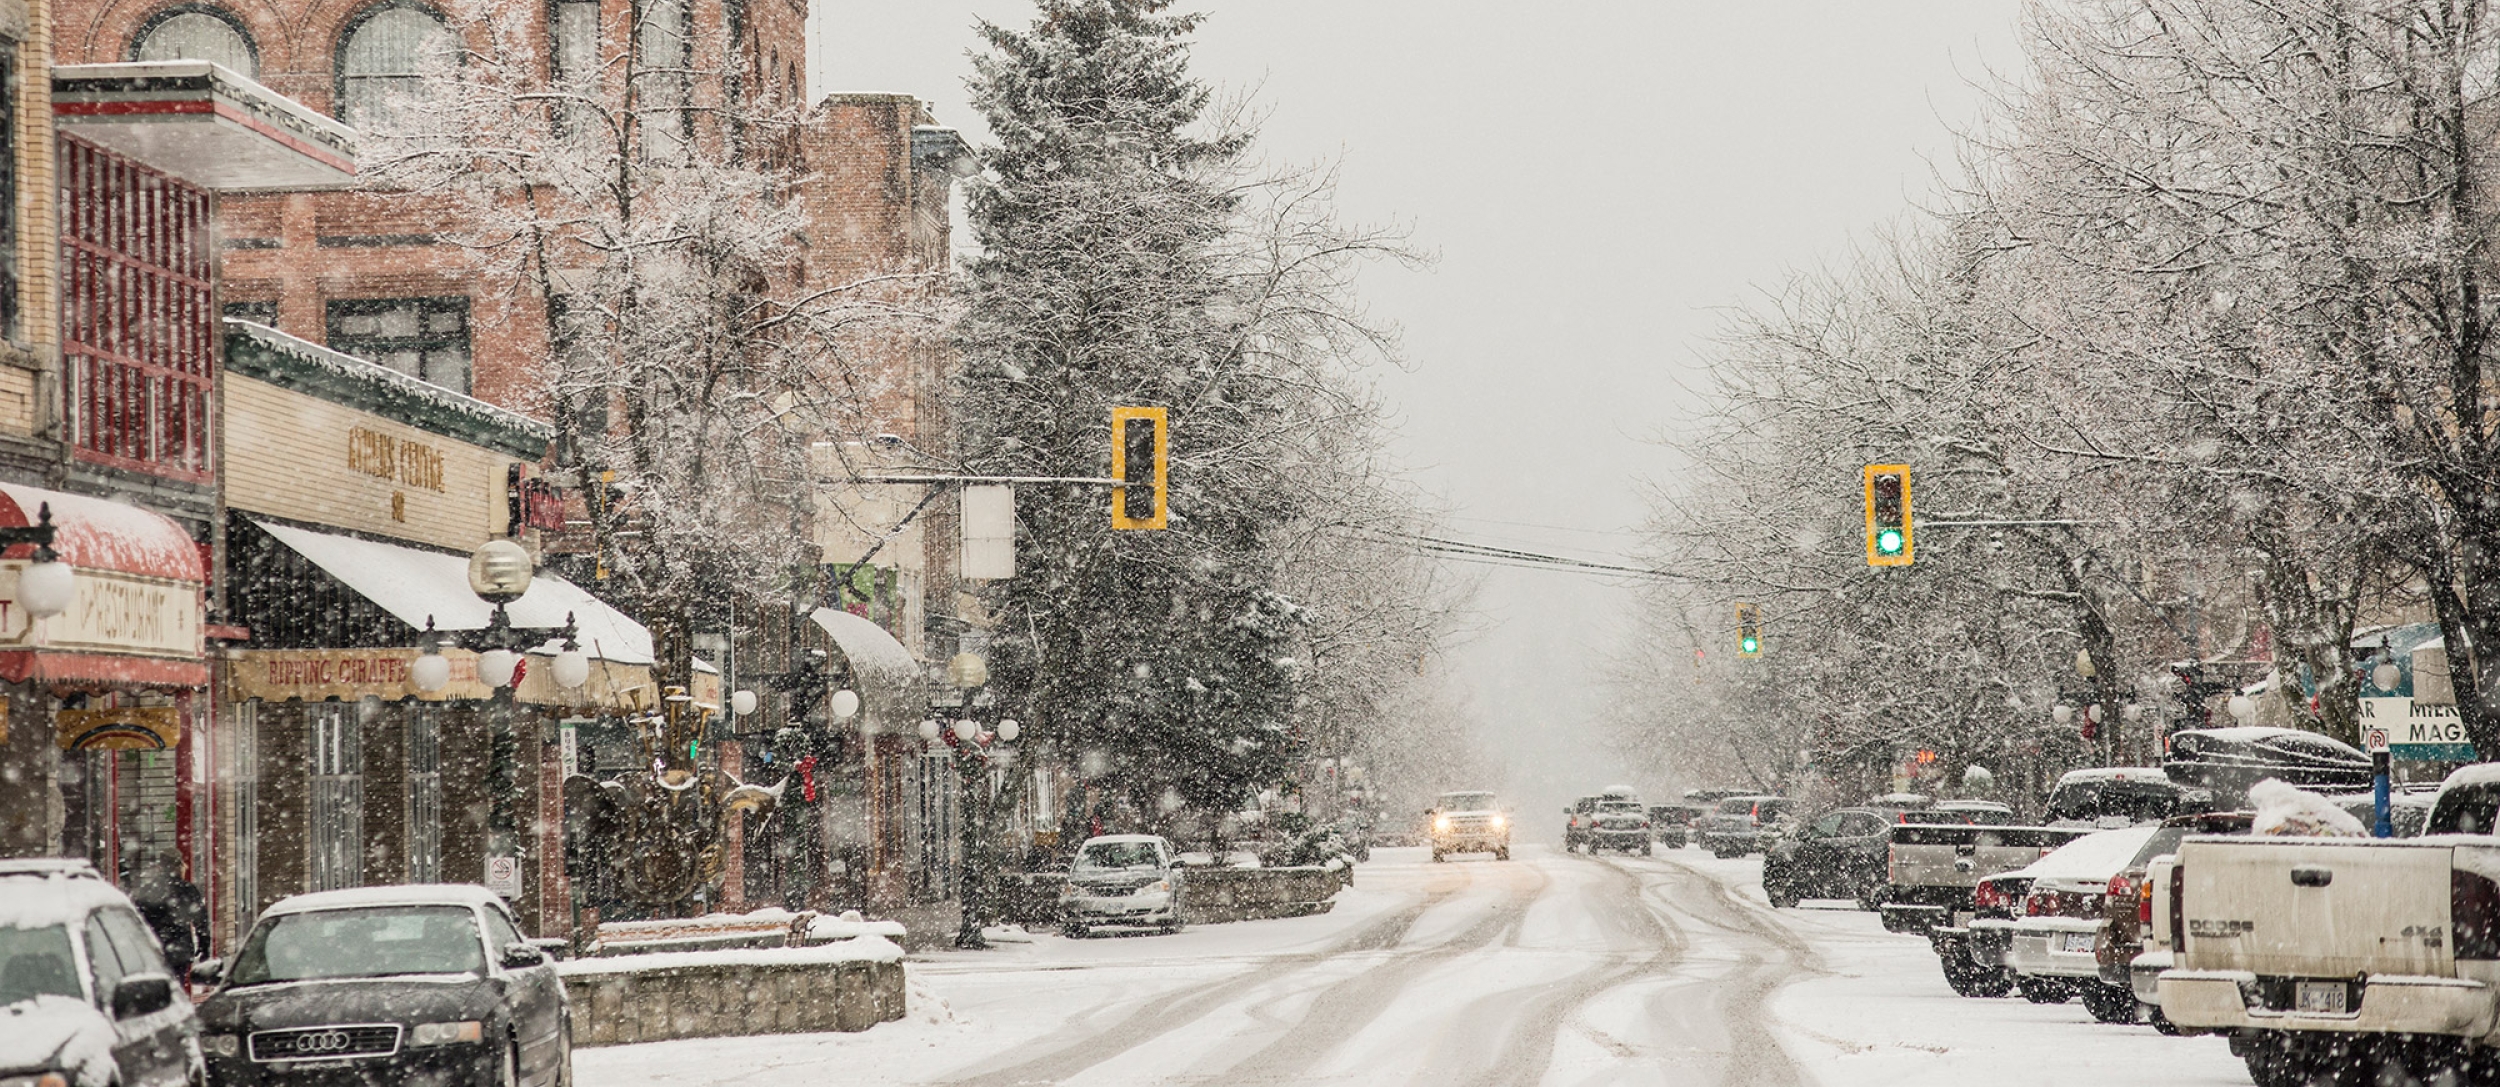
(1140, 460)
(1888, 540)
(1748, 630)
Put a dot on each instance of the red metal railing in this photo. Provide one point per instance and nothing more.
(138, 328)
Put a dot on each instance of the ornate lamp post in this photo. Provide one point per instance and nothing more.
(500, 572)
(976, 749)
(47, 586)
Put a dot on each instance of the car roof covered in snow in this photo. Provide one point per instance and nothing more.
(33, 896)
(2481, 773)
(1124, 838)
(410, 894)
(2094, 856)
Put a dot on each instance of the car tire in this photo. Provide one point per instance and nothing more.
(1439, 857)
(2108, 1003)
(1783, 896)
(2044, 990)
(508, 1071)
(1723, 853)
(2271, 1062)
(1502, 854)
(564, 1056)
(1072, 931)
(1968, 978)
(1648, 849)
(1871, 896)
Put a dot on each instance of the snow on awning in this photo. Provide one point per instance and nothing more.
(138, 613)
(414, 585)
(887, 673)
(204, 124)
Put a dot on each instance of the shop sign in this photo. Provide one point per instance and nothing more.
(2418, 731)
(135, 728)
(112, 612)
(314, 674)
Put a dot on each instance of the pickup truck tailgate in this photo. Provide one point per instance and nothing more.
(2315, 907)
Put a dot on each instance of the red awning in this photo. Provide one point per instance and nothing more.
(101, 534)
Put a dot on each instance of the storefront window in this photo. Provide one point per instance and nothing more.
(424, 338)
(199, 34)
(425, 794)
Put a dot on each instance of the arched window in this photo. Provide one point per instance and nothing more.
(198, 33)
(382, 60)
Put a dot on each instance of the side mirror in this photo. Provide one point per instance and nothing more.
(522, 957)
(142, 994)
(557, 948)
(208, 971)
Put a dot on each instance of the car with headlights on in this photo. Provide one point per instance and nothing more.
(422, 985)
(1123, 880)
(1469, 822)
(85, 995)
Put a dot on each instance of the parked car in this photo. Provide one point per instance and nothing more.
(2408, 807)
(1579, 820)
(85, 992)
(2132, 951)
(2121, 796)
(1972, 949)
(2345, 955)
(1742, 824)
(1124, 880)
(1933, 871)
(1840, 854)
(1619, 821)
(1469, 822)
(2054, 944)
(1671, 825)
(405, 984)
(2226, 761)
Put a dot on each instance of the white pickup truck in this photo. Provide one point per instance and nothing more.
(2346, 955)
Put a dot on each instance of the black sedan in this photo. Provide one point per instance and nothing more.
(423, 986)
(1841, 854)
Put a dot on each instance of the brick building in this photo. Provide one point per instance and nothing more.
(368, 274)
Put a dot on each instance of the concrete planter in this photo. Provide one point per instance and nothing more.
(619, 1004)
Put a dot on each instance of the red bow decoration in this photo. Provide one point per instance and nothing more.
(807, 778)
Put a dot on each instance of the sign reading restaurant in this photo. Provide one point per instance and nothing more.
(113, 612)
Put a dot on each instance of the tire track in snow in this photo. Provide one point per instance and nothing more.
(1180, 1008)
(1342, 1010)
(1740, 1000)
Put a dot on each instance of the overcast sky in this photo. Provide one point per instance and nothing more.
(1600, 180)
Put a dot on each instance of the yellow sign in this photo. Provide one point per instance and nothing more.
(148, 728)
(112, 612)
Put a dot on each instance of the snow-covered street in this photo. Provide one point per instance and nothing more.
(1553, 968)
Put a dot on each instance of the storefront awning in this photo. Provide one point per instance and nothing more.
(888, 675)
(138, 611)
(414, 584)
(203, 124)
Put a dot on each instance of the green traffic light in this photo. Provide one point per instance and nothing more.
(1888, 541)
(694, 749)
(1753, 645)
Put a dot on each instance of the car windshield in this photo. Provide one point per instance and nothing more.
(1116, 855)
(1466, 801)
(36, 962)
(383, 941)
(1626, 806)
(1736, 807)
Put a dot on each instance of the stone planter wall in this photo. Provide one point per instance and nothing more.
(730, 999)
(1213, 895)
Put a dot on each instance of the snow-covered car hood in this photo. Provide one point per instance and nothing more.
(57, 1034)
(1113, 880)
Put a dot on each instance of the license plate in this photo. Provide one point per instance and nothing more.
(2320, 997)
(2071, 942)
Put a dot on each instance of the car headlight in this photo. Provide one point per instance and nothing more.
(1158, 885)
(221, 1045)
(39, 1079)
(466, 1030)
(1441, 823)
(1498, 822)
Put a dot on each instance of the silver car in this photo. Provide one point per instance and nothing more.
(1123, 879)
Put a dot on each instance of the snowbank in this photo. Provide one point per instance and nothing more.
(848, 985)
(850, 925)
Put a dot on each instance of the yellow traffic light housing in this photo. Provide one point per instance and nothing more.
(1888, 538)
(1141, 462)
(1748, 630)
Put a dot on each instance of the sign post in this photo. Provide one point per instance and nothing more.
(2381, 765)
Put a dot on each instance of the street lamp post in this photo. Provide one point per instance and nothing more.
(500, 572)
(975, 749)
